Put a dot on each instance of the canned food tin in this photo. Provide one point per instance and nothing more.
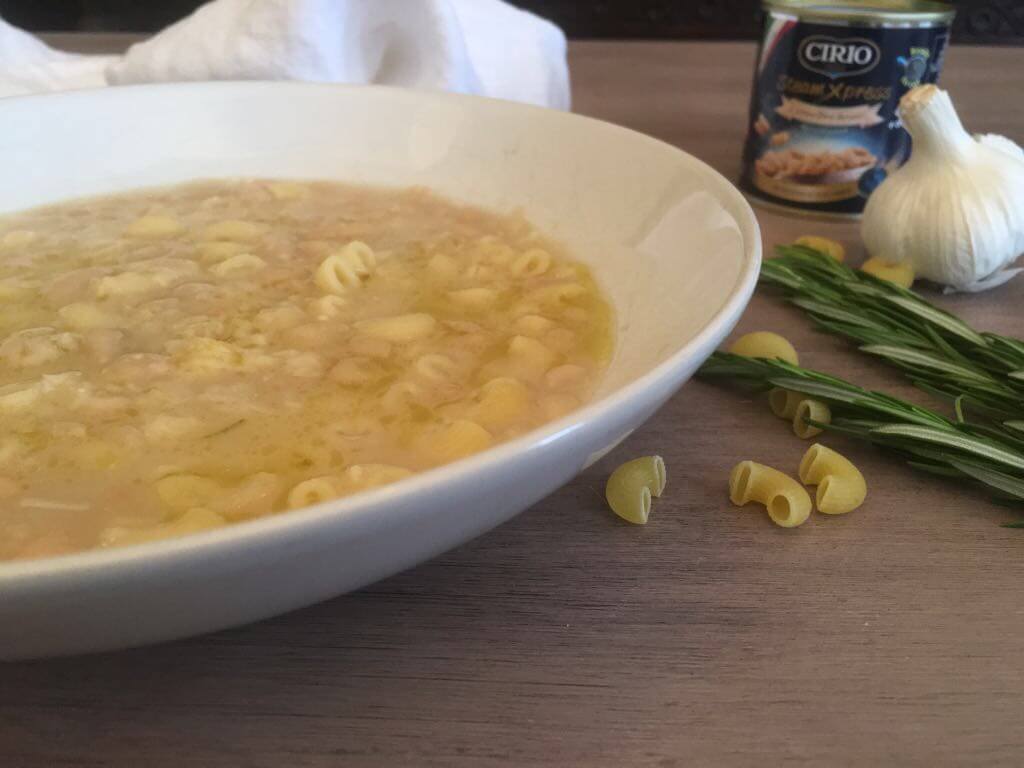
(823, 129)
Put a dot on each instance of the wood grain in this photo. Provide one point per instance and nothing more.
(890, 636)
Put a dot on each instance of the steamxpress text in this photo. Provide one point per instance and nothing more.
(823, 129)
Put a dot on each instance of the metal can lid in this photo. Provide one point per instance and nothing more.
(867, 12)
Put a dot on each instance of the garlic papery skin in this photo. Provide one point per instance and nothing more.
(955, 210)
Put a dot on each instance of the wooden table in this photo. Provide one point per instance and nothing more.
(891, 636)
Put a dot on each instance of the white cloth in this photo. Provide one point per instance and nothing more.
(484, 47)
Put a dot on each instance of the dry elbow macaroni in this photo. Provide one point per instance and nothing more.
(841, 486)
(765, 344)
(788, 504)
(813, 410)
(631, 486)
(823, 244)
(783, 402)
(901, 274)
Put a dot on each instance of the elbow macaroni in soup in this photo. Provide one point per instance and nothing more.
(178, 359)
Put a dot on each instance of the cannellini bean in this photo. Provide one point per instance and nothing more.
(243, 262)
(400, 395)
(240, 231)
(219, 250)
(36, 346)
(306, 365)
(400, 329)
(357, 371)
(463, 326)
(8, 488)
(154, 227)
(85, 315)
(165, 428)
(327, 307)
(555, 406)
(138, 367)
(556, 294)
(14, 288)
(193, 521)
(103, 344)
(435, 367)
(287, 190)
(198, 291)
(306, 336)
(560, 339)
(279, 318)
(72, 286)
(253, 497)
(534, 325)
(95, 455)
(130, 283)
(49, 545)
(474, 298)
(362, 477)
(19, 396)
(68, 430)
(18, 238)
(530, 355)
(443, 266)
(565, 377)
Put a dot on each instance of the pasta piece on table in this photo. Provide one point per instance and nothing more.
(825, 245)
(841, 486)
(813, 410)
(783, 402)
(631, 486)
(787, 502)
(901, 274)
(765, 344)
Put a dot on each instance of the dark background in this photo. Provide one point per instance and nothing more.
(978, 21)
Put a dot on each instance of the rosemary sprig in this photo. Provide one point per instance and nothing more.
(937, 350)
(990, 455)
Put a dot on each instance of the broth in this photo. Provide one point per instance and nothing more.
(178, 359)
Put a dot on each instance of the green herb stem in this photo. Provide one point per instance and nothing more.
(938, 351)
(991, 455)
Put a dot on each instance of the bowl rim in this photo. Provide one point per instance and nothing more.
(41, 573)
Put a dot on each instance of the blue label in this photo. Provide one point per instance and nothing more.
(824, 131)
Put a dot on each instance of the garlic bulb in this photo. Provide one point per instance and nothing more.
(955, 210)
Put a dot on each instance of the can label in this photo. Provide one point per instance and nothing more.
(823, 129)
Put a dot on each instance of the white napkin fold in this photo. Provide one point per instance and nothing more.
(484, 47)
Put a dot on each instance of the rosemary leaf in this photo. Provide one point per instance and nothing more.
(924, 360)
(935, 469)
(963, 442)
(991, 455)
(822, 309)
(937, 317)
(1014, 486)
(934, 348)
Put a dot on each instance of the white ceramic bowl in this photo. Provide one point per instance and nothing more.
(672, 241)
